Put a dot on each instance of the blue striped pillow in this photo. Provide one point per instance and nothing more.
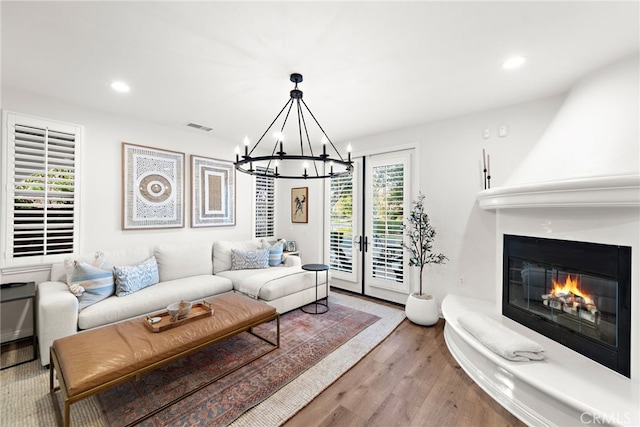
(275, 255)
(97, 283)
(275, 252)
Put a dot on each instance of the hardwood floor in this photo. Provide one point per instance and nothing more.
(410, 379)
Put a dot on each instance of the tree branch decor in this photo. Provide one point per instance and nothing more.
(421, 234)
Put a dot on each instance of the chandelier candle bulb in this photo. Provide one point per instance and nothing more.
(246, 146)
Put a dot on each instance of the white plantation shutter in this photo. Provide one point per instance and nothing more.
(342, 223)
(41, 198)
(387, 235)
(265, 206)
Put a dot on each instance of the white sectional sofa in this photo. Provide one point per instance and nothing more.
(189, 272)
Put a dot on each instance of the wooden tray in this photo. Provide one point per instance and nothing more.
(198, 311)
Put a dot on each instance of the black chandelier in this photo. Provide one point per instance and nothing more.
(309, 164)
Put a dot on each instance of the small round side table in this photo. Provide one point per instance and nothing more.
(322, 306)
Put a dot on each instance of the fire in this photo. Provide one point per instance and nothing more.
(570, 286)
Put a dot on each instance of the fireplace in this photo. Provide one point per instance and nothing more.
(576, 293)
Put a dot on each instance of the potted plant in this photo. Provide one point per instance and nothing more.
(421, 308)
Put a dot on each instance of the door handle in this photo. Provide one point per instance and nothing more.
(359, 242)
(366, 243)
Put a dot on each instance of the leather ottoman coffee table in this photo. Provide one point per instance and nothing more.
(97, 359)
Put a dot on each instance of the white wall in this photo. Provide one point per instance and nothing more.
(101, 175)
(309, 236)
(594, 134)
(450, 175)
(101, 183)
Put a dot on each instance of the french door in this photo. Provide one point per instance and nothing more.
(366, 211)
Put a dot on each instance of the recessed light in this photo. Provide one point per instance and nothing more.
(513, 62)
(121, 87)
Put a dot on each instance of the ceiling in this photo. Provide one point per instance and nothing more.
(368, 67)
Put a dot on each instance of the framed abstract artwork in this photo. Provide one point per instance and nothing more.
(213, 192)
(300, 204)
(152, 187)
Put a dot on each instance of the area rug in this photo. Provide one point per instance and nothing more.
(25, 400)
(304, 340)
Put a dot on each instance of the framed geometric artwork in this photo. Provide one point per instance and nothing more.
(300, 204)
(153, 188)
(213, 192)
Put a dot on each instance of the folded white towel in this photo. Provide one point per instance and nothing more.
(500, 339)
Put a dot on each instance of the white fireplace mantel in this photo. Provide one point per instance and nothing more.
(603, 191)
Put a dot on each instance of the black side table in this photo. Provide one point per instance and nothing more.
(317, 303)
(18, 293)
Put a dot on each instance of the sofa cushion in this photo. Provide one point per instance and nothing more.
(132, 278)
(222, 252)
(243, 260)
(286, 285)
(153, 299)
(128, 256)
(183, 260)
(90, 282)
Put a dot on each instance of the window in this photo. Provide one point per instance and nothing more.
(341, 220)
(388, 207)
(40, 198)
(265, 205)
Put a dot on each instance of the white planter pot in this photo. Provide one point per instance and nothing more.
(422, 310)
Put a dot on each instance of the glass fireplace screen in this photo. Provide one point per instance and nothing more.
(581, 302)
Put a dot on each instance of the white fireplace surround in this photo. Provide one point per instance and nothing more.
(568, 388)
(604, 191)
(580, 182)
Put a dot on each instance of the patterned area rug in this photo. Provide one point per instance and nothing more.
(305, 339)
(25, 400)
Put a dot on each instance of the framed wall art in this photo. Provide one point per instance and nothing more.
(152, 187)
(300, 204)
(213, 192)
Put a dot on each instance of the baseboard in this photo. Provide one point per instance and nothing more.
(9, 336)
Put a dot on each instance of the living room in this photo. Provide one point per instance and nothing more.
(370, 88)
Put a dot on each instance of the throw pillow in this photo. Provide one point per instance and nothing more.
(132, 278)
(275, 252)
(241, 260)
(90, 282)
